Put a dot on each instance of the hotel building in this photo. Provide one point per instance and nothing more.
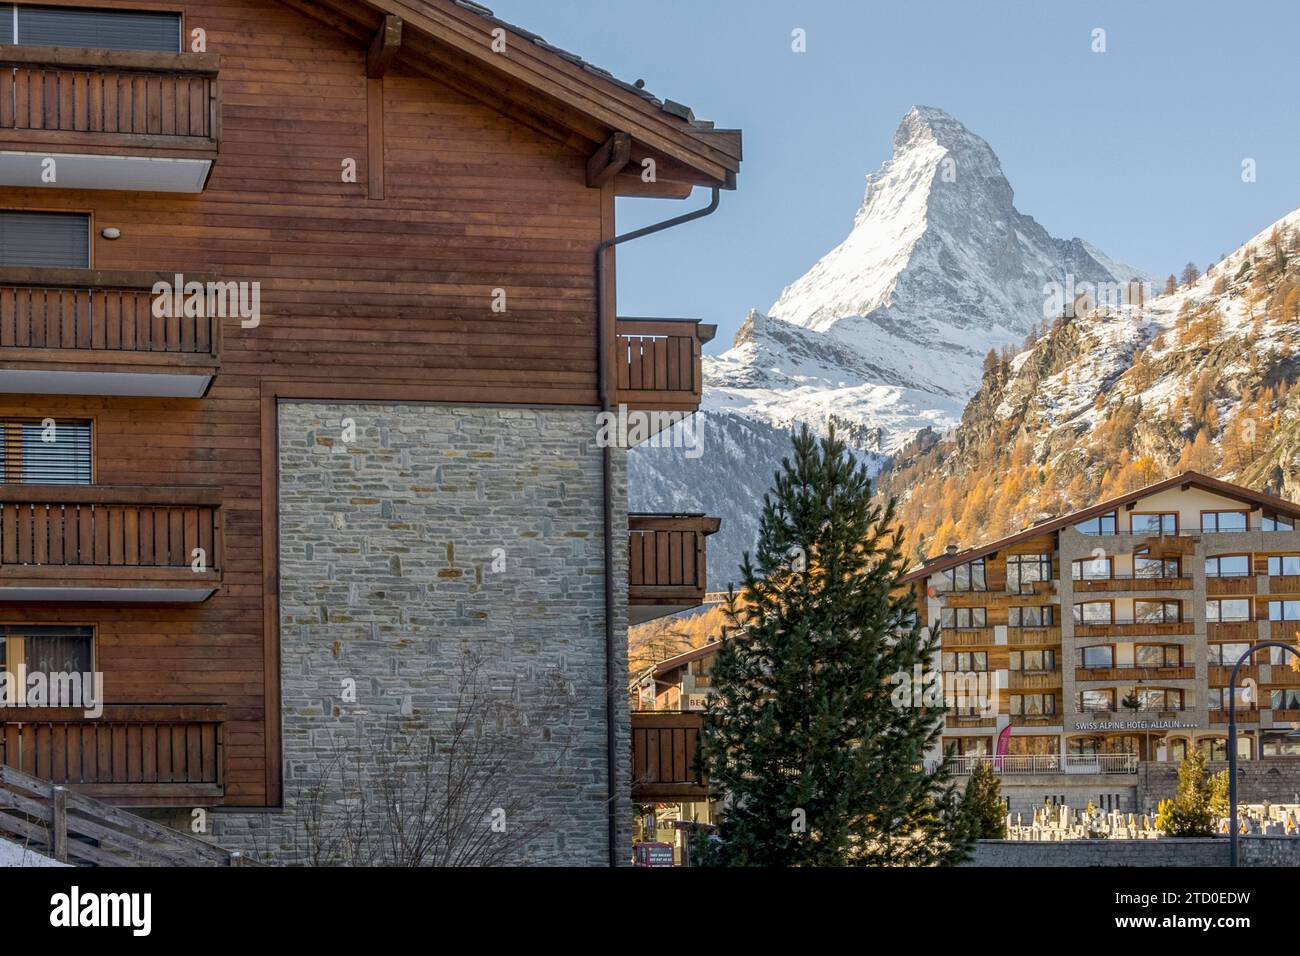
(1107, 638)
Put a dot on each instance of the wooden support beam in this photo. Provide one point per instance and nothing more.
(375, 138)
(608, 161)
(384, 48)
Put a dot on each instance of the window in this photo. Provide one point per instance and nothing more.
(1158, 655)
(1284, 610)
(1218, 610)
(1083, 746)
(1044, 616)
(1226, 655)
(960, 617)
(1094, 612)
(1228, 566)
(51, 651)
(1224, 521)
(1157, 612)
(1096, 700)
(1145, 566)
(36, 454)
(968, 746)
(1033, 705)
(1158, 698)
(1280, 744)
(1024, 570)
(1281, 564)
(1277, 655)
(1275, 522)
(1219, 698)
(1288, 699)
(1033, 746)
(964, 661)
(1091, 569)
(1165, 522)
(966, 577)
(1029, 661)
(1214, 748)
(1102, 524)
(1100, 656)
(45, 239)
(95, 29)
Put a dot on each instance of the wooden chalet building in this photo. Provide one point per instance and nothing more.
(307, 318)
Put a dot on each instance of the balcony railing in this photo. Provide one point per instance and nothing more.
(1033, 636)
(105, 543)
(84, 332)
(1139, 582)
(134, 755)
(1127, 672)
(1230, 586)
(1284, 584)
(1135, 628)
(659, 363)
(1033, 680)
(1012, 764)
(664, 746)
(667, 561)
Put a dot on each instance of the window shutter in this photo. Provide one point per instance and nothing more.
(30, 461)
(100, 29)
(6, 23)
(45, 240)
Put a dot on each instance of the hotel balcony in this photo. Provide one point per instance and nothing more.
(1022, 764)
(1033, 680)
(1135, 672)
(1122, 583)
(667, 562)
(1230, 586)
(1236, 631)
(1220, 675)
(664, 744)
(1245, 715)
(93, 543)
(967, 637)
(1033, 636)
(1129, 628)
(110, 119)
(132, 755)
(1284, 584)
(83, 332)
(658, 363)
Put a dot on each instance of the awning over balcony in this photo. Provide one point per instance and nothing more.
(71, 543)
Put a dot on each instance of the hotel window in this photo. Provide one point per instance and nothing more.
(49, 240)
(1280, 744)
(1224, 521)
(40, 454)
(1160, 698)
(1219, 697)
(1096, 700)
(1145, 566)
(1219, 610)
(1226, 655)
(1214, 748)
(1102, 655)
(964, 661)
(1102, 524)
(963, 617)
(1275, 522)
(1178, 748)
(967, 746)
(1158, 655)
(1157, 612)
(1094, 612)
(1024, 570)
(966, 577)
(1030, 661)
(1044, 616)
(1228, 566)
(1284, 610)
(1083, 746)
(50, 650)
(1033, 705)
(1165, 523)
(1283, 564)
(1033, 745)
(91, 28)
(1288, 699)
(1091, 569)
(1278, 656)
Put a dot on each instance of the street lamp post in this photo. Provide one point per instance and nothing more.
(1232, 738)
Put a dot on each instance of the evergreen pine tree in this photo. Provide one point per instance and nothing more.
(818, 763)
(982, 803)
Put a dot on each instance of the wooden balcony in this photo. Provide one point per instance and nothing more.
(951, 637)
(1284, 584)
(71, 543)
(1286, 631)
(664, 744)
(667, 563)
(1167, 545)
(1132, 672)
(1122, 584)
(659, 363)
(110, 119)
(1230, 587)
(1244, 716)
(1033, 680)
(1036, 720)
(1136, 629)
(1219, 675)
(133, 755)
(84, 332)
(1236, 631)
(1033, 636)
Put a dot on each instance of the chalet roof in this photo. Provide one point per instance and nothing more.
(1188, 479)
(672, 663)
(555, 91)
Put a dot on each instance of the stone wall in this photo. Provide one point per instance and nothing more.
(1253, 851)
(1273, 779)
(434, 537)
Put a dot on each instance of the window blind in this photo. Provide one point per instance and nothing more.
(45, 239)
(98, 29)
(31, 459)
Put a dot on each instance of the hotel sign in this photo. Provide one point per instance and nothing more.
(1135, 724)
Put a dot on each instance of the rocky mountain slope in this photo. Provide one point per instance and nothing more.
(885, 336)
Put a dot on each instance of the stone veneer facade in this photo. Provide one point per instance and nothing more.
(437, 530)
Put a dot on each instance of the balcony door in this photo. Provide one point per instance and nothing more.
(84, 27)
